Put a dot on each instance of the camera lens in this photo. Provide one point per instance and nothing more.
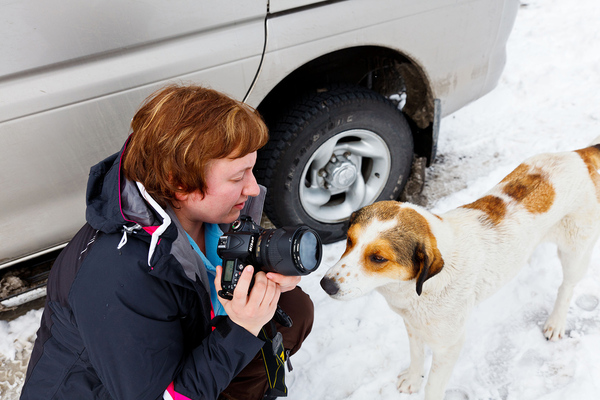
(289, 251)
(309, 250)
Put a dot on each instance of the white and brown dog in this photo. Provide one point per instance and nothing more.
(432, 269)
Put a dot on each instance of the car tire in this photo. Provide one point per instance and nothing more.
(333, 152)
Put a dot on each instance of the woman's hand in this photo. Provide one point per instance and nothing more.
(251, 310)
(286, 283)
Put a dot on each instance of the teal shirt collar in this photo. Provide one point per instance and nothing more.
(211, 259)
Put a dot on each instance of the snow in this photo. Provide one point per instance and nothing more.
(547, 100)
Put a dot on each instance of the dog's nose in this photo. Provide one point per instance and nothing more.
(329, 286)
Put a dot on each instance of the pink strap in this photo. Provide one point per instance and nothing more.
(150, 229)
(171, 394)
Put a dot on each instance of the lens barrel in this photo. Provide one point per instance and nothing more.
(289, 251)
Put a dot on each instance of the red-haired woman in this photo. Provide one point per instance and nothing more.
(131, 299)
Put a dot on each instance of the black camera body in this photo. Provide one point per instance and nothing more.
(290, 251)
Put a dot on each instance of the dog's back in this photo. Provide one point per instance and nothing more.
(549, 197)
(544, 188)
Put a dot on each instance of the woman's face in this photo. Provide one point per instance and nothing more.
(229, 183)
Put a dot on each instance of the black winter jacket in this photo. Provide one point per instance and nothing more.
(127, 312)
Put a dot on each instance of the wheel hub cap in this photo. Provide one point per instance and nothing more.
(340, 172)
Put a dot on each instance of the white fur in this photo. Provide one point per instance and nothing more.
(478, 260)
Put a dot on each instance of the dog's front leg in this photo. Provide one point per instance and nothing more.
(444, 358)
(410, 380)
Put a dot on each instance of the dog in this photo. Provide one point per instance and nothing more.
(433, 269)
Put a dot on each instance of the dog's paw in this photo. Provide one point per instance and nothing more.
(554, 329)
(409, 382)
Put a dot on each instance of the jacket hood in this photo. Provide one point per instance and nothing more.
(116, 204)
(112, 201)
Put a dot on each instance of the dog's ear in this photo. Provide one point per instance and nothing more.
(352, 218)
(427, 262)
(348, 223)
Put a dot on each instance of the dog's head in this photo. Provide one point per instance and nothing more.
(387, 242)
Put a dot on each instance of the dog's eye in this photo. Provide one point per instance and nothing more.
(377, 259)
(349, 242)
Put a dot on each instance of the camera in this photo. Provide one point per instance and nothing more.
(288, 251)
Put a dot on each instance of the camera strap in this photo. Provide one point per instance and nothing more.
(274, 357)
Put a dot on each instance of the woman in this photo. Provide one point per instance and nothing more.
(131, 299)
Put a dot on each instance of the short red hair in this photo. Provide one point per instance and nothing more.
(178, 130)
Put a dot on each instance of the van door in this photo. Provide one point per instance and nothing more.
(71, 78)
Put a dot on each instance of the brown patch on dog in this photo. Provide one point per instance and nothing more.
(493, 207)
(528, 186)
(591, 158)
(353, 234)
(393, 252)
(521, 170)
(379, 255)
(383, 211)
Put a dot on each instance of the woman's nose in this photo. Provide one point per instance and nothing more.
(251, 189)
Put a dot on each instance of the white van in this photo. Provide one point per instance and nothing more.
(350, 90)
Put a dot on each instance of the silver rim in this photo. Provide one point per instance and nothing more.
(347, 172)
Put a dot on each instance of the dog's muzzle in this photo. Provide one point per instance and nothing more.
(329, 286)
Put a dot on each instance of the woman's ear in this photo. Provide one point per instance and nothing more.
(181, 196)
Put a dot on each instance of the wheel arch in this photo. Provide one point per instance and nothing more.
(380, 69)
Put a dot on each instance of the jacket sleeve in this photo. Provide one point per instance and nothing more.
(229, 349)
(133, 335)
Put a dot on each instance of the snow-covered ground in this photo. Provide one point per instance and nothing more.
(547, 100)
